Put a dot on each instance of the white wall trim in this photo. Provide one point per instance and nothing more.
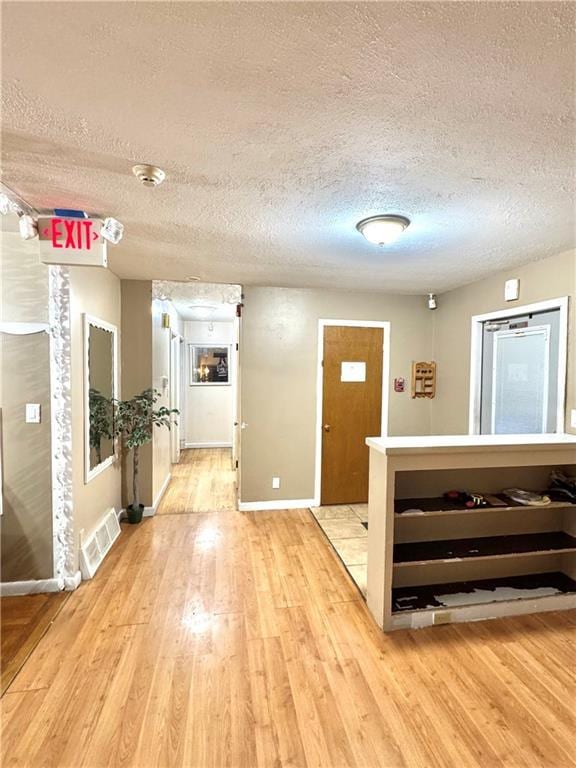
(256, 506)
(323, 323)
(207, 445)
(72, 582)
(64, 545)
(36, 586)
(561, 304)
(9, 588)
(24, 329)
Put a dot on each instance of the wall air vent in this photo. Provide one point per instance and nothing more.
(95, 548)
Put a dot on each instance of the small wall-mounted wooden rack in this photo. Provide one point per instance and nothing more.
(423, 379)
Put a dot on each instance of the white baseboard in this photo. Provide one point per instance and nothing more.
(207, 445)
(150, 511)
(72, 582)
(36, 586)
(255, 506)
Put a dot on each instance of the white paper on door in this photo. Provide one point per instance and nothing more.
(350, 371)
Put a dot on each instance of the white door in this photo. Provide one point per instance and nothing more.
(175, 399)
(520, 377)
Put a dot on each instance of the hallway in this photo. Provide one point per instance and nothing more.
(203, 481)
(230, 639)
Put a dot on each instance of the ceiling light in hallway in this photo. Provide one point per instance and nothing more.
(383, 229)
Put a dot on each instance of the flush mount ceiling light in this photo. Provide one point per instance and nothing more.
(149, 175)
(382, 230)
(208, 308)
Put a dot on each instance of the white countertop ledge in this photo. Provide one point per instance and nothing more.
(468, 443)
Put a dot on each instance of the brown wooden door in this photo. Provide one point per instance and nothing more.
(351, 410)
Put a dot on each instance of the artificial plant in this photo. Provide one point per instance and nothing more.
(134, 421)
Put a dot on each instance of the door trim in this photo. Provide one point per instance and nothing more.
(323, 323)
(477, 321)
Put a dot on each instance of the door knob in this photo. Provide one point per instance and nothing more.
(326, 427)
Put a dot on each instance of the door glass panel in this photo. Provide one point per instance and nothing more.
(520, 382)
(493, 329)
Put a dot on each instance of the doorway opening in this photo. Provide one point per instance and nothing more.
(352, 404)
(518, 370)
(204, 352)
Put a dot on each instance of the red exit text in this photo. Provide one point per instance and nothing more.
(74, 234)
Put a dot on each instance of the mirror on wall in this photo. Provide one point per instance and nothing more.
(99, 388)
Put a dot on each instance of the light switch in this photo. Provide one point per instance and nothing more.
(32, 413)
(275, 482)
(573, 418)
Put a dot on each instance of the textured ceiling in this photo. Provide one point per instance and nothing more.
(281, 124)
(200, 301)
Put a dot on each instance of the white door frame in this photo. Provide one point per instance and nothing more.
(175, 393)
(477, 322)
(385, 325)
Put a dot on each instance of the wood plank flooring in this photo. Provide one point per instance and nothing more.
(203, 481)
(226, 639)
(24, 619)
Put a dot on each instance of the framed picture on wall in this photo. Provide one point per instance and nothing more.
(209, 364)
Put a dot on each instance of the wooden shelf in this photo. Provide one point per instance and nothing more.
(455, 550)
(478, 592)
(434, 507)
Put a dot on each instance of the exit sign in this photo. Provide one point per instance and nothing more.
(71, 241)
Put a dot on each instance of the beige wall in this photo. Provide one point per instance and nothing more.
(26, 540)
(540, 280)
(27, 523)
(95, 292)
(278, 372)
(137, 372)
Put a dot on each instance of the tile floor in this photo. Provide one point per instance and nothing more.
(343, 527)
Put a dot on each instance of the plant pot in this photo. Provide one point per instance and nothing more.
(135, 514)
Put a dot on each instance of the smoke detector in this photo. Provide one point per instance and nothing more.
(149, 175)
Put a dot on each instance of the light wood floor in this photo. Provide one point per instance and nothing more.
(238, 640)
(24, 620)
(203, 481)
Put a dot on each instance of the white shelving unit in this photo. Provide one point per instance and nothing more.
(430, 563)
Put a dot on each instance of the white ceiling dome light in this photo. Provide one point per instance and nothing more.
(149, 175)
(382, 229)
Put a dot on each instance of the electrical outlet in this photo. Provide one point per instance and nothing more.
(442, 617)
(275, 482)
(573, 418)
